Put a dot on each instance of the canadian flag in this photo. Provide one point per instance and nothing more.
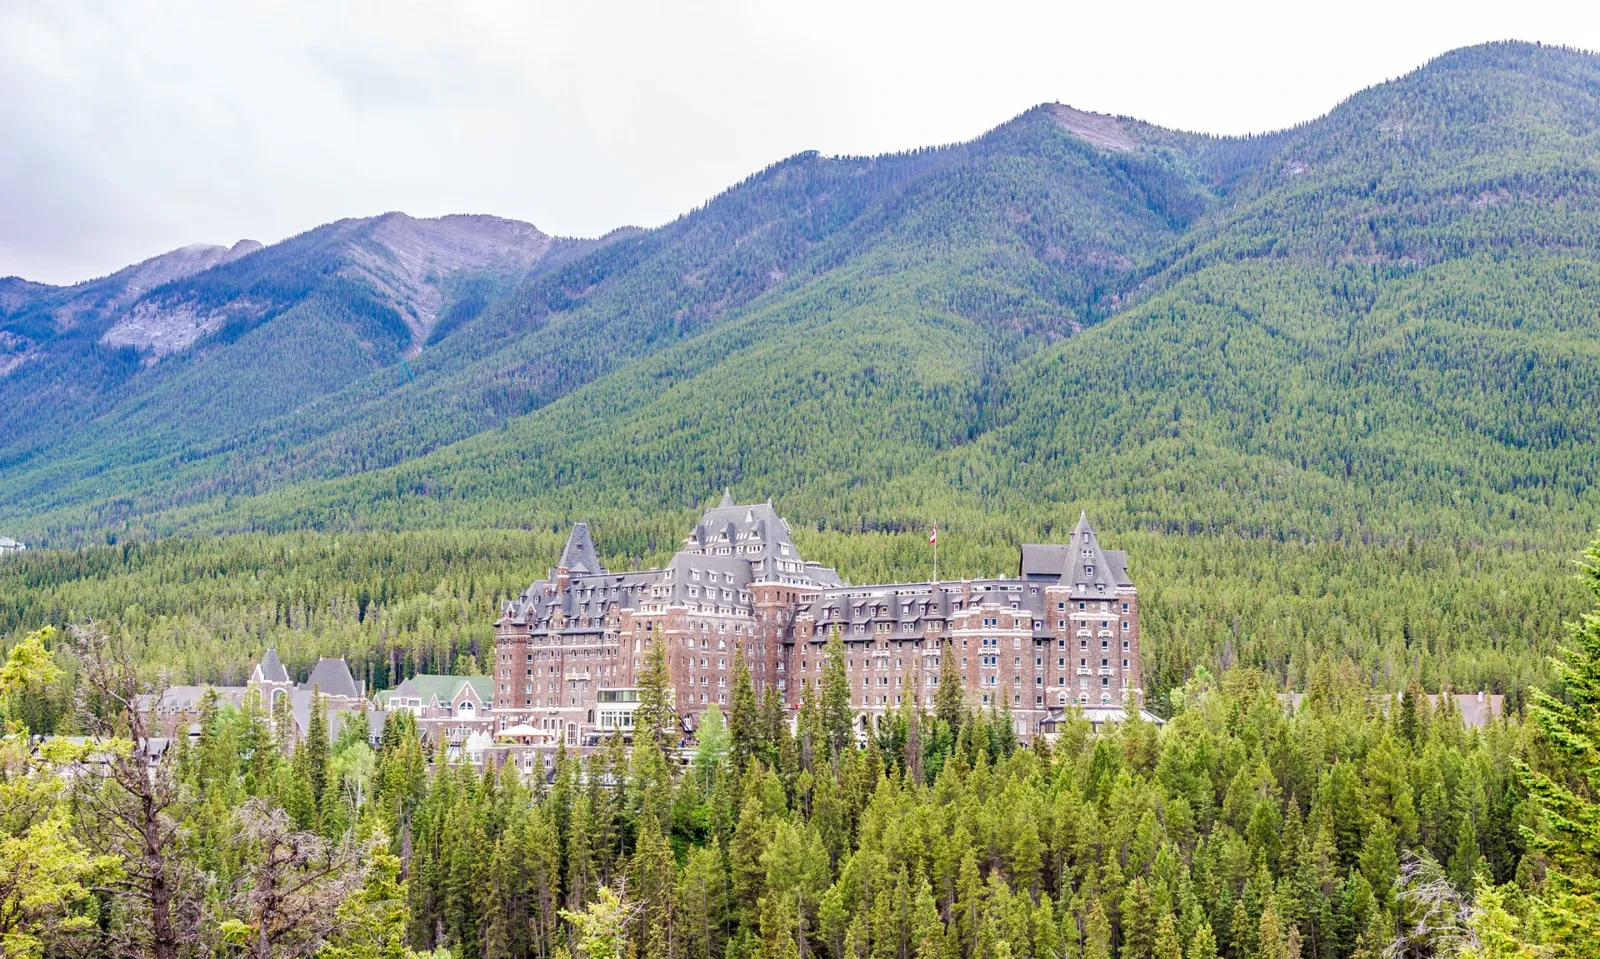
(933, 535)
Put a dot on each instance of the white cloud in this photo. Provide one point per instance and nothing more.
(131, 128)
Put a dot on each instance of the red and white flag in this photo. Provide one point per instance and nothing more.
(933, 535)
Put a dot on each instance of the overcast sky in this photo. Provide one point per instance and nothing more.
(130, 128)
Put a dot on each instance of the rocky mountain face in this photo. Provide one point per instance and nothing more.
(377, 286)
(402, 262)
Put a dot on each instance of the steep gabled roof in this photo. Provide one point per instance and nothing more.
(1078, 563)
(332, 677)
(579, 555)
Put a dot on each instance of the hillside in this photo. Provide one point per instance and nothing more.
(204, 339)
(1376, 325)
(1032, 224)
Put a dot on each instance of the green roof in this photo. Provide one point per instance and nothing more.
(444, 688)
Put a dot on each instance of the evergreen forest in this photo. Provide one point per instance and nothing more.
(1335, 389)
(1239, 829)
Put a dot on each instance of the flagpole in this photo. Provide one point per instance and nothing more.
(935, 554)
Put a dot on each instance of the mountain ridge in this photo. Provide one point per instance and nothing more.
(1323, 318)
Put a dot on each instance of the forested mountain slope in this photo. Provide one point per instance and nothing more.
(1378, 324)
(1018, 235)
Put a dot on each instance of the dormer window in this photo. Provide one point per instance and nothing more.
(1088, 571)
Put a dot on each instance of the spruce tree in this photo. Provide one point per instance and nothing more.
(373, 921)
(580, 882)
(653, 884)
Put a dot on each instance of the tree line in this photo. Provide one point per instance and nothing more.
(1238, 830)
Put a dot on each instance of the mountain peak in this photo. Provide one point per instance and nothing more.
(1100, 129)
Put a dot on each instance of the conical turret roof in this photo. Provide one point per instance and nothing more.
(270, 669)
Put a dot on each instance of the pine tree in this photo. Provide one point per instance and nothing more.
(810, 734)
(653, 885)
(1203, 945)
(655, 722)
(1269, 934)
(1464, 859)
(1570, 727)
(913, 748)
(927, 929)
(744, 718)
(504, 934)
(1408, 722)
(1167, 945)
(1138, 922)
(581, 881)
(372, 923)
(703, 904)
(315, 747)
(838, 718)
(600, 931)
(333, 810)
(1498, 931)
(949, 702)
(745, 851)
(779, 751)
(463, 863)
(1241, 936)
(1380, 862)
(1097, 933)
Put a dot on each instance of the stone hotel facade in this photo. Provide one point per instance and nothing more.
(1063, 632)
